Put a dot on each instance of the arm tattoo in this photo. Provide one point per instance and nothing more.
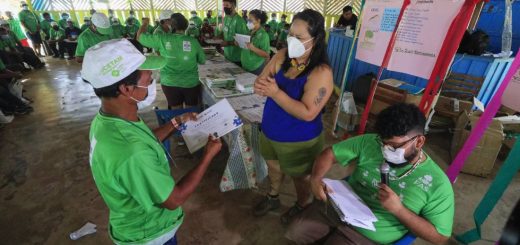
(321, 95)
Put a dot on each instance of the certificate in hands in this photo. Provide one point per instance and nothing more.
(217, 121)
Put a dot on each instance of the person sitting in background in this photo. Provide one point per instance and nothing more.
(31, 22)
(99, 31)
(192, 30)
(86, 23)
(165, 21)
(418, 197)
(209, 17)
(118, 31)
(131, 28)
(281, 24)
(282, 38)
(347, 19)
(56, 41)
(17, 28)
(254, 58)
(196, 19)
(207, 31)
(71, 38)
(180, 77)
(16, 51)
(63, 21)
(273, 28)
(132, 17)
(270, 33)
(11, 104)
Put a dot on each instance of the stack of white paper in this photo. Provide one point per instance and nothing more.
(351, 209)
(245, 82)
(242, 40)
(218, 120)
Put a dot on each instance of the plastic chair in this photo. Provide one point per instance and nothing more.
(164, 116)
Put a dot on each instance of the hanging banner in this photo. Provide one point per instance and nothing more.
(378, 23)
(510, 98)
(420, 35)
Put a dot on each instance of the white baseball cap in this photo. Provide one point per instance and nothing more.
(110, 61)
(54, 24)
(102, 23)
(165, 14)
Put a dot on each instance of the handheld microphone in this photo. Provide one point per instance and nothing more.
(385, 171)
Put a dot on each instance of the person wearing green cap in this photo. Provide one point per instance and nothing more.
(196, 19)
(180, 77)
(31, 22)
(233, 24)
(99, 31)
(253, 58)
(129, 164)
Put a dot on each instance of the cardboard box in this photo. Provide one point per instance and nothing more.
(447, 107)
(482, 159)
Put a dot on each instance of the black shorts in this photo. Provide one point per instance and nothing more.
(177, 96)
(36, 38)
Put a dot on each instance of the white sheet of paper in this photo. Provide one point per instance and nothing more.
(242, 40)
(218, 120)
(355, 211)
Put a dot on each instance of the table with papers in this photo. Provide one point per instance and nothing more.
(245, 167)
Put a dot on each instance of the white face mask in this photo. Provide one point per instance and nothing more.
(150, 98)
(296, 47)
(250, 25)
(25, 7)
(396, 157)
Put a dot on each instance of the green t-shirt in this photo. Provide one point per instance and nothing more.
(193, 32)
(84, 27)
(118, 31)
(15, 26)
(57, 34)
(62, 23)
(281, 26)
(159, 30)
(30, 19)
(136, 21)
(88, 39)
(427, 191)
(8, 44)
(150, 29)
(197, 20)
(132, 173)
(283, 36)
(233, 25)
(46, 27)
(131, 30)
(212, 20)
(273, 24)
(251, 61)
(184, 53)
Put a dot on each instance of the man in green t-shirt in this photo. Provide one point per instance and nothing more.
(31, 22)
(99, 31)
(165, 22)
(281, 24)
(192, 30)
(86, 23)
(118, 30)
(130, 166)
(180, 77)
(63, 21)
(196, 19)
(56, 40)
(233, 24)
(417, 198)
(273, 24)
(131, 28)
(15, 26)
(211, 20)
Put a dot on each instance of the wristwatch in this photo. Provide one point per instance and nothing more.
(175, 123)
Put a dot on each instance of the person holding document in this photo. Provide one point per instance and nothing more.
(180, 77)
(253, 58)
(298, 83)
(233, 24)
(418, 198)
(129, 164)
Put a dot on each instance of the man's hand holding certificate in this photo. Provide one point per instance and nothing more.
(218, 120)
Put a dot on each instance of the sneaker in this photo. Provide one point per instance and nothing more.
(289, 214)
(267, 204)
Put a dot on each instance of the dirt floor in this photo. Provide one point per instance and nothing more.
(47, 190)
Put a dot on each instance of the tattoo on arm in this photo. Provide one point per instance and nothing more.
(321, 95)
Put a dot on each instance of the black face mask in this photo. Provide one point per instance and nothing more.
(228, 11)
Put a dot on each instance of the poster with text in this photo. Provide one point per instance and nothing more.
(378, 23)
(420, 35)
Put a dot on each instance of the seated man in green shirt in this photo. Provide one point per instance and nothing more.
(99, 31)
(56, 40)
(418, 197)
(118, 30)
(129, 164)
(196, 19)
